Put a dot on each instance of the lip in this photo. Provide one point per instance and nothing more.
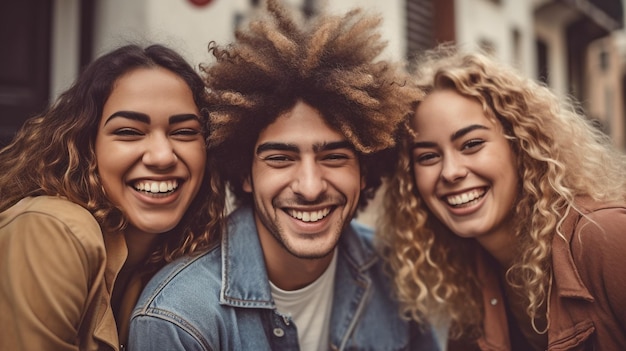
(309, 228)
(309, 215)
(473, 199)
(174, 186)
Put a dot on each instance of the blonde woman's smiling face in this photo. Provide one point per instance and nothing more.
(150, 149)
(465, 170)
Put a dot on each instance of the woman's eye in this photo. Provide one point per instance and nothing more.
(473, 145)
(127, 132)
(186, 133)
(426, 158)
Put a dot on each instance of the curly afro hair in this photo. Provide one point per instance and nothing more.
(328, 62)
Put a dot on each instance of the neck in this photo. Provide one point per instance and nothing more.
(292, 273)
(502, 246)
(139, 245)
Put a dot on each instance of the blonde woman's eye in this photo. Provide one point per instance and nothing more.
(427, 158)
(473, 145)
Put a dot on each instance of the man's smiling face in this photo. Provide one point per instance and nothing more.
(305, 181)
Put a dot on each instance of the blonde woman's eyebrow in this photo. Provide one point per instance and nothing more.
(463, 131)
(424, 144)
(456, 135)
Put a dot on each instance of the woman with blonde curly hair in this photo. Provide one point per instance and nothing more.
(507, 213)
(98, 192)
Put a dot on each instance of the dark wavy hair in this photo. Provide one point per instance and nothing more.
(53, 153)
(327, 62)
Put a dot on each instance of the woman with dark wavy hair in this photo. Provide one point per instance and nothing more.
(507, 213)
(98, 192)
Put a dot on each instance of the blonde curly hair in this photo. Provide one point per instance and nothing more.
(329, 62)
(560, 156)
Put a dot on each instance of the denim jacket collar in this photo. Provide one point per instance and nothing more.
(244, 278)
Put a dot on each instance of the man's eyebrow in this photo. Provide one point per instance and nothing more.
(276, 147)
(136, 116)
(458, 134)
(333, 145)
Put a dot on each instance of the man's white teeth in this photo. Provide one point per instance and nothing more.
(309, 216)
(464, 198)
(157, 187)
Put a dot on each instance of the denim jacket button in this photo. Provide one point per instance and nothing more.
(279, 332)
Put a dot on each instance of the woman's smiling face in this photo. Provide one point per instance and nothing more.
(150, 149)
(464, 167)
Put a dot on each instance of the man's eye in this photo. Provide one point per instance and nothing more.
(277, 161)
(335, 159)
(277, 158)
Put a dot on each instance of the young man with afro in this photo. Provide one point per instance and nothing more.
(301, 116)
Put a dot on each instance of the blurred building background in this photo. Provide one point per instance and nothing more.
(578, 47)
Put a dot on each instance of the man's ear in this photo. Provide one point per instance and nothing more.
(363, 182)
(247, 184)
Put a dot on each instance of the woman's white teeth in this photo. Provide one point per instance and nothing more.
(309, 216)
(157, 187)
(464, 198)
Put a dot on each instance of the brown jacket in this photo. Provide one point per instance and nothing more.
(57, 275)
(588, 299)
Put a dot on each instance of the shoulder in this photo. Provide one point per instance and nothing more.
(597, 248)
(597, 240)
(357, 246)
(46, 215)
(601, 227)
(189, 278)
(181, 303)
(357, 242)
(364, 232)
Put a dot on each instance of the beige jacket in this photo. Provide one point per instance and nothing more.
(57, 274)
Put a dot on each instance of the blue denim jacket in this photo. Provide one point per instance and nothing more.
(221, 300)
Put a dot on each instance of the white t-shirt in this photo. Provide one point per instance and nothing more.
(310, 308)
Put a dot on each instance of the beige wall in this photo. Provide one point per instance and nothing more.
(604, 91)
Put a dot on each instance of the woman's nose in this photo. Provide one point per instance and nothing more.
(159, 153)
(453, 169)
